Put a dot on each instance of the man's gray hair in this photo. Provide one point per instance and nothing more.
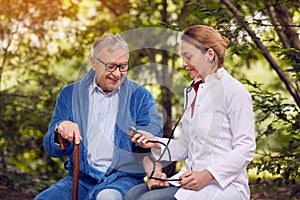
(112, 42)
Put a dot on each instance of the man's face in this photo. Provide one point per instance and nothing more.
(108, 81)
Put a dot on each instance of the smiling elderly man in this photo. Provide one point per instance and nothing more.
(97, 112)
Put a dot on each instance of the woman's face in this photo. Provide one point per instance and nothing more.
(194, 60)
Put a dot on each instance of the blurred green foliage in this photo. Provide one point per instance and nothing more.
(45, 44)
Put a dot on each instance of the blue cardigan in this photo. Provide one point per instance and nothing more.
(136, 108)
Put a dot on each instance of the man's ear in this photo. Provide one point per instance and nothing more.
(93, 62)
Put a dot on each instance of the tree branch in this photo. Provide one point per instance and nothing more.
(263, 50)
(275, 23)
(182, 12)
(285, 20)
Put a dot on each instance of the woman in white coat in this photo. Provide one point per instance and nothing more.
(217, 140)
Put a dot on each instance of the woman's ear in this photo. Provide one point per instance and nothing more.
(211, 54)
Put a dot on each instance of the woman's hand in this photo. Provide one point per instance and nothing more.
(154, 184)
(195, 180)
(144, 139)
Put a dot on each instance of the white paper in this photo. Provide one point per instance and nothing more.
(183, 194)
(176, 176)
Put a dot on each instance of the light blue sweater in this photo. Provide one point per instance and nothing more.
(136, 108)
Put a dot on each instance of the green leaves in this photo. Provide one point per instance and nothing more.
(45, 44)
(277, 125)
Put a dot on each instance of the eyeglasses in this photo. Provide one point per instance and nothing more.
(111, 67)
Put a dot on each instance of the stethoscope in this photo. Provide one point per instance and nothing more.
(188, 90)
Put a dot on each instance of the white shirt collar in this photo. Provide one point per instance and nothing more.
(95, 87)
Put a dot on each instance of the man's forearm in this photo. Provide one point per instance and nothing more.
(149, 166)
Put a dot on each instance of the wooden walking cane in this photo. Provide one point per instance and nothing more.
(76, 164)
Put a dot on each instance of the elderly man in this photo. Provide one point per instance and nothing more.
(96, 112)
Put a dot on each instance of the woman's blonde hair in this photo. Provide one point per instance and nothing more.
(205, 37)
